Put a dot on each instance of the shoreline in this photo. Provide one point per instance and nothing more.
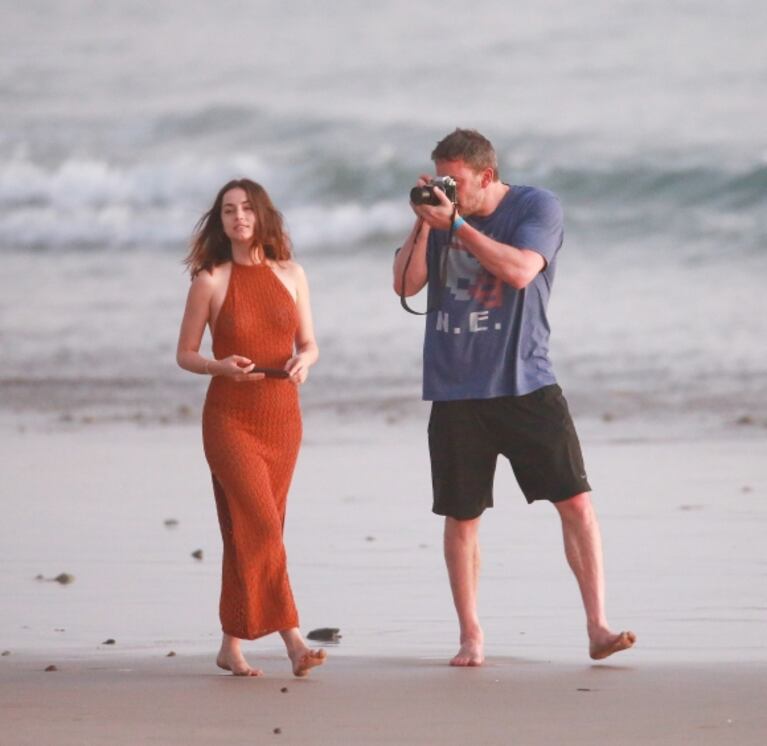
(57, 406)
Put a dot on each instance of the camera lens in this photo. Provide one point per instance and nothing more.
(419, 195)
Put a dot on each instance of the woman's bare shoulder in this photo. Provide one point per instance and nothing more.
(292, 268)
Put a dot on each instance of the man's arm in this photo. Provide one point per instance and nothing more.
(515, 267)
(410, 283)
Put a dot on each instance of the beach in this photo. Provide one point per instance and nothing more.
(120, 122)
(682, 521)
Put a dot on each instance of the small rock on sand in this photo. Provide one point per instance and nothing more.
(64, 578)
(277, 731)
(51, 668)
(197, 554)
(5, 652)
(171, 522)
(110, 641)
(325, 634)
(172, 654)
(283, 690)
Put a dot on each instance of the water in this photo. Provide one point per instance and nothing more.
(121, 120)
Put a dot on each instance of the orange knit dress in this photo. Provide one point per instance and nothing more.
(251, 434)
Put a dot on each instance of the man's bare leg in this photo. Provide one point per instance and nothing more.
(583, 548)
(302, 657)
(462, 560)
(230, 658)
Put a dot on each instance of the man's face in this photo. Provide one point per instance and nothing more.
(470, 184)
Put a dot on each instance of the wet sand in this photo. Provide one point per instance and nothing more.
(683, 522)
(369, 700)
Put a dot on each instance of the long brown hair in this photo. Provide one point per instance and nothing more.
(210, 245)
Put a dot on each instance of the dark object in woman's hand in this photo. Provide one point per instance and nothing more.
(271, 372)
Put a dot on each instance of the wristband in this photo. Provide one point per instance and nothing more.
(458, 222)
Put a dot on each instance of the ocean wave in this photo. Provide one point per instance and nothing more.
(335, 199)
(682, 185)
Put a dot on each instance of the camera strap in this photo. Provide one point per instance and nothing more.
(442, 271)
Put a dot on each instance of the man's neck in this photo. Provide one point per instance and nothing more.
(494, 193)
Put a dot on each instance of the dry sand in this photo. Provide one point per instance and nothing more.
(683, 521)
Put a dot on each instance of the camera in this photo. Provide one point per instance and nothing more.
(424, 195)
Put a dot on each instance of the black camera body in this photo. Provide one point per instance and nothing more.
(424, 195)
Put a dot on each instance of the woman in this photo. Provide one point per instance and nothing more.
(255, 300)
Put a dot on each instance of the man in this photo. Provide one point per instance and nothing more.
(488, 374)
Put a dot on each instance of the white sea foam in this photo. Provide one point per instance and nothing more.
(102, 203)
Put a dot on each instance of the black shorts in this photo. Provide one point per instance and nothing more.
(535, 432)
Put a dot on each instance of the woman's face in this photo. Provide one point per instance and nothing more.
(237, 216)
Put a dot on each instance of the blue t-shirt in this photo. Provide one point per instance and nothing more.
(488, 339)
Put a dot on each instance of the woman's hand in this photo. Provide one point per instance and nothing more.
(298, 368)
(235, 367)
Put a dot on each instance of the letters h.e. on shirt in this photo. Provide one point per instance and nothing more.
(488, 339)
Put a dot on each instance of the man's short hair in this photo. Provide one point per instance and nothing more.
(470, 147)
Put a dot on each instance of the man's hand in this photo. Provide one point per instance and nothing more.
(439, 216)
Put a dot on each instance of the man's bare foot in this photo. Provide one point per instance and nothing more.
(305, 659)
(605, 645)
(470, 654)
(236, 663)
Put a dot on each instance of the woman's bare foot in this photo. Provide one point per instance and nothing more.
(302, 657)
(237, 665)
(471, 653)
(606, 643)
(304, 660)
(230, 658)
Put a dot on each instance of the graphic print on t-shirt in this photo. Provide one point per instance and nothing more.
(468, 280)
